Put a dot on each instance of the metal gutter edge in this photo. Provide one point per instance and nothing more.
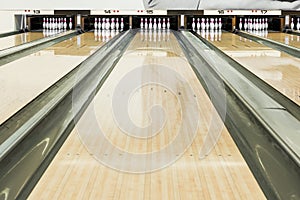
(271, 43)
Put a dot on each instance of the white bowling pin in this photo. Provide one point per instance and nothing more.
(168, 23)
(150, 24)
(212, 24)
(164, 23)
(99, 23)
(216, 24)
(259, 25)
(193, 24)
(70, 24)
(122, 24)
(96, 24)
(202, 24)
(113, 24)
(154, 24)
(117, 24)
(146, 24)
(44, 23)
(292, 24)
(198, 24)
(240, 24)
(207, 24)
(56, 23)
(298, 24)
(159, 24)
(266, 24)
(107, 24)
(103, 24)
(47, 23)
(246, 24)
(65, 23)
(263, 24)
(220, 23)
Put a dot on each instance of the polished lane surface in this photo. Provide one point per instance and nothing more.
(24, 79)
(15, 40)
(79, 170)
(289, 39)
(278, 69)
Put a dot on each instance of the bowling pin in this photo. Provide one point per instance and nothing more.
(193, 24)
(263, 24)
(168, 23)
(240, 24)
(150, 24)
(220, 24)
(142, 23)
(259, 25)
(202, 24)
(198, 24)
(122, 24)
(298, 24)
(103, 25)
(216, 24)
(113, 24)
(154, 24)
(146, 24)
(212, 24)
(292, 24)
(107, 24)
(65, 23)
(266, 24)
(99, 23)
(245, 24)
(207, 24)
(164, 23)
(159, 24)
(96, 24)
(70, 24)
(44, 23)
(117, 24)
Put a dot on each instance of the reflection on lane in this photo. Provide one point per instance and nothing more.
(14, 40)
(278, 69)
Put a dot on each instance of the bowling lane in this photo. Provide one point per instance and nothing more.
(278, 69)
(89, 166)
(26, 78)
(288, 39)
(14, 40)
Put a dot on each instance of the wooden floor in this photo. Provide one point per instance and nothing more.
(24, 79)
(278, 69)
(14, 40)
(75, 173)
(289, 39)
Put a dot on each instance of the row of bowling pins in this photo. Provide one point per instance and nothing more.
(262, 33)
(106, 24)
(157, 24)
(56, 23)
(155, 36)
(105, 35)
(212, 24)
(293, 24)
(253, 24)
(48, 32)
(212, 35)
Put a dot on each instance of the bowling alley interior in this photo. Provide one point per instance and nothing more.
(150, 99)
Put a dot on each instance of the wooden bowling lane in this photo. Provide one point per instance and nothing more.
(18, 39)
(278, 69)
(24, 79)
(77, 173)
(288, 39)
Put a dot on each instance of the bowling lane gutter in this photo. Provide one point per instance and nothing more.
(265, 132)
(11, 33)
(294, 51)
(293, 32)
(30, 139)
(19, 51)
